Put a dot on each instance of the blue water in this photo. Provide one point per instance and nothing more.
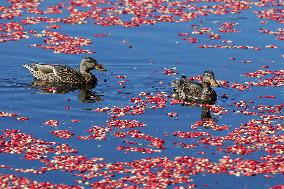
(153, 48)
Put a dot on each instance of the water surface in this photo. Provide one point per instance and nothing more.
(141, 53)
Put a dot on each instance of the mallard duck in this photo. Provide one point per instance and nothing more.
(187, 90)
(65, 74)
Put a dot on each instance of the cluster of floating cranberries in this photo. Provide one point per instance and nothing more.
(111, 13)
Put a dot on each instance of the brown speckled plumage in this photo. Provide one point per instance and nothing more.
(187, 90)
(64, 74)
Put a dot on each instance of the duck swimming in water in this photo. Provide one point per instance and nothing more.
(187, 90)
(65, 74)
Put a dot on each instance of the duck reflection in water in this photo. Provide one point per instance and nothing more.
(205, 114)
(85, 94)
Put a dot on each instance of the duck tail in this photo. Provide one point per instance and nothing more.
(30, 67)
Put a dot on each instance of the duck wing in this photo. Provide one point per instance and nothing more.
(54, 73)
(67, 74)
(39, 71)
(192, 90)
(44, 68)
(51, 72)
(187, 90)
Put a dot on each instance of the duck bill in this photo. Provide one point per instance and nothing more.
(214, 83)
(100, 67)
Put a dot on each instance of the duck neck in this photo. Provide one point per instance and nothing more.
(84, 70)
(203, 80)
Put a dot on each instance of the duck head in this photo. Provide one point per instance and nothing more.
(208, 77)
(88, 63)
